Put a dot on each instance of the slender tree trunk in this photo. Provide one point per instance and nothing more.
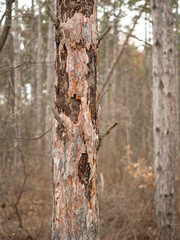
(113, 103)
(177, 73)
(33, 66)
(17, 88)
(75, 211)
(164, 115)
(50, 75)
(39, 73)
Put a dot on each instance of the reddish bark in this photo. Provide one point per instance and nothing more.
(75, 213)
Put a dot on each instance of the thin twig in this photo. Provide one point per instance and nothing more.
(53, 18)
(104, 34)
(9, 69)
(58, 118)
(28, 139)
(107, 132)
(2, 17)
(108, 77)
(141, 40)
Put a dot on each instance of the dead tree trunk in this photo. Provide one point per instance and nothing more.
(75, 207)
(164, 115)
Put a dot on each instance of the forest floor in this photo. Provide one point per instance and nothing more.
(126, 209)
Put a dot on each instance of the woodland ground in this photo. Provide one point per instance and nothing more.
(126, 207)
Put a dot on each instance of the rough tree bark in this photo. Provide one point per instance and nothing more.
(17, 88)
(164, 115)
(75, 136)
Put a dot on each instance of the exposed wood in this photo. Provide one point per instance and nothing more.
(75, 205)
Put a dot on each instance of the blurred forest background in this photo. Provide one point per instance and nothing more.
(125, 162)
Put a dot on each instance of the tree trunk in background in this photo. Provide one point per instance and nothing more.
(50, 75)
(145, 92)
(17, 88)
(177, 73)
(33, 66)
(164, 115)
(39, 75)
(113, 99)
(75, 206)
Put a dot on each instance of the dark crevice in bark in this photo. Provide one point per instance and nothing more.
(70, 7)
(84, 174)
(75, 108)
(63, 83)
(92, 82)
(68, 105)
(60, 132)
(161, 85)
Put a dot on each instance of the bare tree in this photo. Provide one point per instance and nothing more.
(164, 115)
(7, 24)
(75, 136)
(39, 71)
(17, 87)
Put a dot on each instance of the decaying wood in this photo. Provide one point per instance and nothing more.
(75, 204)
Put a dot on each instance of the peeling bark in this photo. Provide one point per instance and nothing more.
(75, 211)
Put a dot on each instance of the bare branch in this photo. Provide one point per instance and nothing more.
(23, 138)
(58, 118)
(7, 24)
(133, 36)
(104, 34)
(9, 68)
(120, 53)
(2, 17)
(52, 17)
(107, 132)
